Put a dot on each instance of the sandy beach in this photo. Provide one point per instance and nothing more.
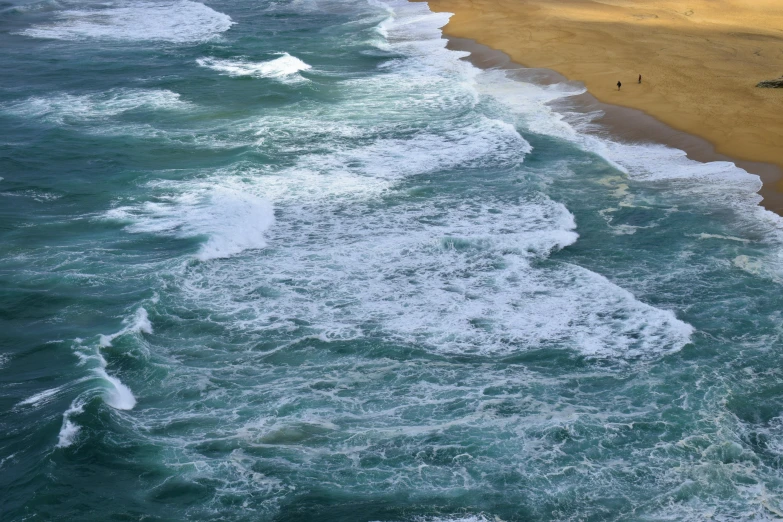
(700, 62)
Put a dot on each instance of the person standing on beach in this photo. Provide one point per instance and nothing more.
(619, 85)
(640, 78)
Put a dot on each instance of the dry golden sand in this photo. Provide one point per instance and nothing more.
(700, 59)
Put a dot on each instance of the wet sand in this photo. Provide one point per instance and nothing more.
(700, 63)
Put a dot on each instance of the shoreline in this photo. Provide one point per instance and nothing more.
(627, 124)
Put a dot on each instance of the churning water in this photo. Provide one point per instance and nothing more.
(298, 261)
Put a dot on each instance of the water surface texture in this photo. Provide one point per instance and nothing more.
(297, 261)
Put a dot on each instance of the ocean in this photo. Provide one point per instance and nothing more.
(296, 260)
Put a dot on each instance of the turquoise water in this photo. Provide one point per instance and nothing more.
(298, 261)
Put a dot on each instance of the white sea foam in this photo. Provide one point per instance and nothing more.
(68, 433)
(459, 518)
(455, 277)
(235, 214)
(180, 21)
(719, 236)
(66, 108)
(42, 397)
(116, 394)
(284, 68)
(767, 267)
(456, 518)
(137, 324)
(458, 280)
(8, 458)
(233, 220)
(238, 224)
(113, 391)
(456, 304)
(70, 430)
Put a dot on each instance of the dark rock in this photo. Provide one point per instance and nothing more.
(772, 84)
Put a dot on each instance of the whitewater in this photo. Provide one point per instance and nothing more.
(298, 260)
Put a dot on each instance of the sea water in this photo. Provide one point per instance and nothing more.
(296, 260)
